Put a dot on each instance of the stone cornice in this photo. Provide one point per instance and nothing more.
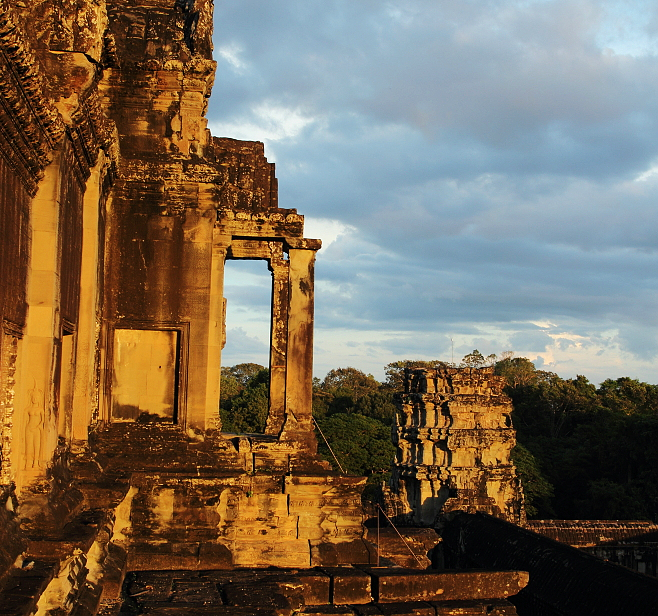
(30, 126)
(91, 131)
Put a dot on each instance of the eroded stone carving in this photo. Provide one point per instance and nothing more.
(454, 437)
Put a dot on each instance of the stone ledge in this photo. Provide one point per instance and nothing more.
(349, 585)
(399, 585)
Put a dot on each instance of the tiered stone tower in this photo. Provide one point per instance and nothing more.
(454, 436)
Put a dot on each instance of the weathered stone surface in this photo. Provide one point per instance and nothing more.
(588, 533)
(118, 210)
(349, 585)
(170, 591)
(22, 589)
(396, 585)
(406, 547)
(327, 610)
(212, 510)
(500, 607)
(454, 436)
(410, 608)
(317, 587)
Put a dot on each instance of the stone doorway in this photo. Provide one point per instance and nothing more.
(245, 385)
(248, 294)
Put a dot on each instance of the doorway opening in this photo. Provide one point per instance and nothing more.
(245, 380)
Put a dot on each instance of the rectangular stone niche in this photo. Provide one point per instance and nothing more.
(144, 373)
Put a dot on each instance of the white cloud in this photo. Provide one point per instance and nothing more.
(326, 229)
(231, 53)
(266, 121)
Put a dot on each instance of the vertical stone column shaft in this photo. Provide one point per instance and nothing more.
(35, 423)
(85, 383)
(299, 373)
(216, 337)
(278, 344)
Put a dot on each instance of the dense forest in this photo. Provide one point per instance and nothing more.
(583, 452)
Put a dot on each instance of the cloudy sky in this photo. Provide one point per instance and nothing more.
(483, 174)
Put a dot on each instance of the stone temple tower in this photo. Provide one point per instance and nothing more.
(454, 437)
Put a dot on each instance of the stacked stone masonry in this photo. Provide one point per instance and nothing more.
(326, 590)
(118, 212)
(454, 436)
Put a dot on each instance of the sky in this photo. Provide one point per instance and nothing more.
(483, 175)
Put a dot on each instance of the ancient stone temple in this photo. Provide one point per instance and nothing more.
(454, 437)
(183, 203)
(119, 213)
(119, 492)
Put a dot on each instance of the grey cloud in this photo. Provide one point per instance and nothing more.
(640, 341)
(526, 80)
(485, 152)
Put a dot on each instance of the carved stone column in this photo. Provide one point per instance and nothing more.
(454, 437)
(299, 364)
(216, 336)
(280, 269)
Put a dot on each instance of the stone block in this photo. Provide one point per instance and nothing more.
(215, 556)
(369, 609)
(398, 585)
(317, 587)
(283, 593)
(149, 586)
(210, 610)
(463, 608)
(327, 610)
(356, 552)
(114, 572)
(502, 607)
(417, 540)
(349, 585)
(23, 587)
(195, 591)
(164, 556)
(410, 608)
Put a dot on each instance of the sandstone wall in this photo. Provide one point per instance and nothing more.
(52, 138)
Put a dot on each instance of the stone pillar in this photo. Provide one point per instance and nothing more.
(85, 384)
(35, 423)
(299, 361)
(216, 339)
(8, 357)
(280, 269)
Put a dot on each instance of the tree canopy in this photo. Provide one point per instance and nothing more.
(583, 452)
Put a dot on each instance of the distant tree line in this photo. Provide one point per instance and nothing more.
(583, 452)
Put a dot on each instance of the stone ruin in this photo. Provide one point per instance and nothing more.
(119, 211)
(454, 437)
